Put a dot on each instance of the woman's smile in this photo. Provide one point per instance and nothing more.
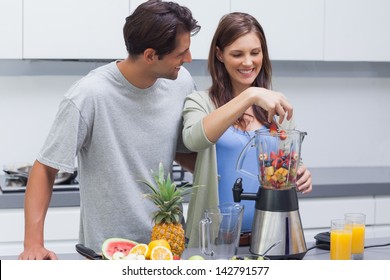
(243, 60)
(247, 72)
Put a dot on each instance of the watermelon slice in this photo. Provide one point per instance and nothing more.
(113, 245)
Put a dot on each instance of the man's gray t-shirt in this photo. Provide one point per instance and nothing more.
(119, 133)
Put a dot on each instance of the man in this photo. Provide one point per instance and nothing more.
(120, 121)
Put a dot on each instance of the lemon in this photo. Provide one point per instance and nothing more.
(161, 253)
(140, 249)
(157, 242)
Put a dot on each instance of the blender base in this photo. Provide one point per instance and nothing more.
(277, 219)
(270, 227)
(299, 256)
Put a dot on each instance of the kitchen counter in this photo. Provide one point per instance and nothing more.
(60, 198)
(374, 253)
(327, 182)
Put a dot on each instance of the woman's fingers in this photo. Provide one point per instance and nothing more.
(281, 108)
(304, 183)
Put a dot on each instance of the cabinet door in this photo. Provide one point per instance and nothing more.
(294, 29)
(382, 209)
(11, 29)
(318, 212)
(61, 230)
(207, 13)
(357, 30)
(72, 29)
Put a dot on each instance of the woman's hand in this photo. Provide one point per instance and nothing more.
(219, 120)
(304, 182)
(275, 103)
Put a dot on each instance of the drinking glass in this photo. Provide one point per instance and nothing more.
(340, 240)
(356, 221)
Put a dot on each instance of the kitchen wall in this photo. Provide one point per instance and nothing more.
(342, 105)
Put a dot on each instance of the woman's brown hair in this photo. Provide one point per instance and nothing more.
(231, 27)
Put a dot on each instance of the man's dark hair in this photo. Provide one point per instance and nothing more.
(155, 24)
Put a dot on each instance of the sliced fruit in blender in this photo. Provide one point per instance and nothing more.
(282, 134)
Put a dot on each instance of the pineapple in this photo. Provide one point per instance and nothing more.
(166, 219)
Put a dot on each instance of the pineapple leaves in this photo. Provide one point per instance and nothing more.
(161, 173)
(159, 218)
(166, 196)
(151, 187)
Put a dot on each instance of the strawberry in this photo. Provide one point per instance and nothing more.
(273, 129)
(282, 135)
(273, 182)
(262, 172)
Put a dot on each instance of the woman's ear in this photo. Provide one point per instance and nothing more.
(218, 54)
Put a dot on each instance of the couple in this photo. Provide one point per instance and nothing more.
(124, 118)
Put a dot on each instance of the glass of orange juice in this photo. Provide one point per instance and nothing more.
(356, 221)
(340, 240)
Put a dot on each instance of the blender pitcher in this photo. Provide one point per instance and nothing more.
(220, 231)
(278, 157)
(276, 218)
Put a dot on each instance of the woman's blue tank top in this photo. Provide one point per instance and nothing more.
(229, 147)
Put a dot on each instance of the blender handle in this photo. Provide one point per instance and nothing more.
(242, 157)
(204, 237)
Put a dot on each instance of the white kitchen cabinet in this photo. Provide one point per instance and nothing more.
(207, 13)
(318, 212)
(72, 29)
(357, 30)
(208, 18)
(382, 210)
(312, 30)
(11, 29)
(61, 230)
(294, 29)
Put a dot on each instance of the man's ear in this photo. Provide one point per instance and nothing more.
(150, 55)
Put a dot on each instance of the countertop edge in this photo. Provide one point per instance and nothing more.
(327, 182)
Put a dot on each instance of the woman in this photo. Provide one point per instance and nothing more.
(220, 121)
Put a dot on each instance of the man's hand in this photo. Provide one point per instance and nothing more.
(37, 253)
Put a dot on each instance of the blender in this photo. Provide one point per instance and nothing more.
(276, 217)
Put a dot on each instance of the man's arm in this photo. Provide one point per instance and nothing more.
(37, 198)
